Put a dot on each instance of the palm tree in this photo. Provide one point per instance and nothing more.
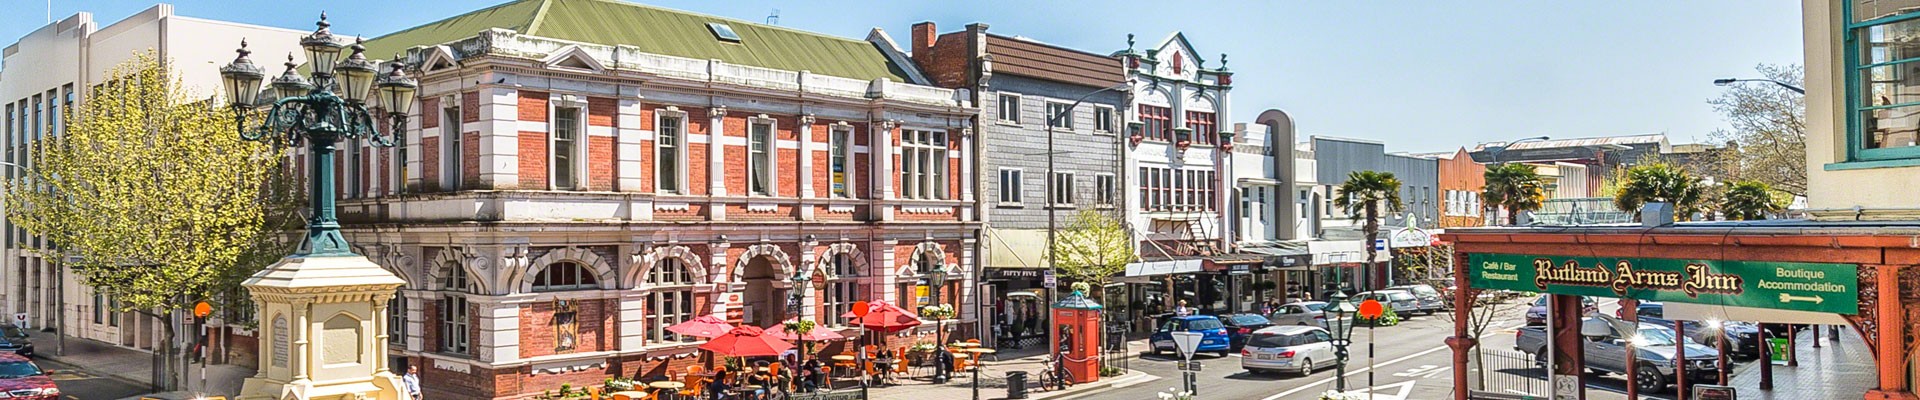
(1363, 195)
(1516, 187)
(1660, 183)
(1748, 199)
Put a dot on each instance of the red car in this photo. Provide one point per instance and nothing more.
(21, 379)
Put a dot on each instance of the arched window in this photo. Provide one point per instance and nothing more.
(454, 313)
(670, 300)
(842, 290)
(564, 276)
(927, 284)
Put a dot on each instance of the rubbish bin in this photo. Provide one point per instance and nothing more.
(1016, 384)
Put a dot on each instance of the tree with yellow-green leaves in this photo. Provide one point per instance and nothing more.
(1093, 248)
(149, 196)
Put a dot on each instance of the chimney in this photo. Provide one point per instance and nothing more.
(924, 34)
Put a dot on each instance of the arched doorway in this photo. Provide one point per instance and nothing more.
(765, 299)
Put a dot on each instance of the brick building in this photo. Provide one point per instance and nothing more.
(571, 186)
(1461, 181)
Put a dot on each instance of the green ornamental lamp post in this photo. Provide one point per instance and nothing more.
(1339, 315)
(322, 310)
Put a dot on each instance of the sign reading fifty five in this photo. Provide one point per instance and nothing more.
(1819, 287)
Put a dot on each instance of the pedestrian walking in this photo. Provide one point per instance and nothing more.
(412, 382)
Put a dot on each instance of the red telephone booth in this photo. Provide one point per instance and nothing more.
(1076, 336)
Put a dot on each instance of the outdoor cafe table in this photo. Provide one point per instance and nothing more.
(668, 388)
(980, 351)
(630, 394)
(964, 344)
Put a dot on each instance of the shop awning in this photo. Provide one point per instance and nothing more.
(1165, 267)
(1330, 252)
(1281, 255)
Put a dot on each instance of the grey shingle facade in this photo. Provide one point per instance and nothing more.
(1419, 177)
(1023, 146)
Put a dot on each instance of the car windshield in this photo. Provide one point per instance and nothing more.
(1315, 307)
(1540, 302)
(18, 369)
(1277, 340)
(1250, 319)
(1203, 324)
(12, 332)
(1400, 296)
(1654, 337)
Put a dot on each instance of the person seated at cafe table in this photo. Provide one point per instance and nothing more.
(759, 380)
(718, 387)
(811, 375)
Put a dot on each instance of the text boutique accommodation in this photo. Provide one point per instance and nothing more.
(568, 189)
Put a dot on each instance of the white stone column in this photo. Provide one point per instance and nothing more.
(499, 338)
(415, 134)
(808, 269)
(807, 146)
(632, 320)
(882, 269)
(379, 303)
(416, 319)
(716, 162)
(628, 150)
(499, 128)
(302, 323)
(881, 151)
(967, 179)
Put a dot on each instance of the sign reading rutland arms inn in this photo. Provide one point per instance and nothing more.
(1817, 287)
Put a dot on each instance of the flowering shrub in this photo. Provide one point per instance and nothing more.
(937, 312)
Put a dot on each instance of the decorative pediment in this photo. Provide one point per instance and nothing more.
(574, 57)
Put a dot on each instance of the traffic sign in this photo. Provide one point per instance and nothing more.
(1371, 309)
(1379, 245)
(1048, 280)
(1187, 366)
(202, 309)
(1817, 287)
(20, 320)
(1187, 342)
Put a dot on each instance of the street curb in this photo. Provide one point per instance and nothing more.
(135, 381)
(1129, 379)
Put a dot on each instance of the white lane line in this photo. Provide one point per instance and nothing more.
(1324, 381)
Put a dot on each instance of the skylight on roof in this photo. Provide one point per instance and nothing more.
(723, 32)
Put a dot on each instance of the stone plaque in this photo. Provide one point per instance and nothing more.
(280, 342)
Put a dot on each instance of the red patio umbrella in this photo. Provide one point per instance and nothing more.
(818, 334)
(884, 317)
(746, 341)
(705, 326)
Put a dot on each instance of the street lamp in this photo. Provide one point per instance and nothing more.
(1339, 315)
(329, 108)
(1731, 81)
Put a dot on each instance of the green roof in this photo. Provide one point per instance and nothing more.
(659, 31)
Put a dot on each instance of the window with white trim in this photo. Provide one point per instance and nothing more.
(840, 161)
(565, 160)
(1060, 115)
(454, 315)
(1103, 119)
(760, 158)
(397, 318)
(669, 300)
(1010, 108)
(923, 164)
(842, 290)
(450, 168)
(1010, 186)
(1062, 189)
(1104, 191)
(565, 276)
(669, 152)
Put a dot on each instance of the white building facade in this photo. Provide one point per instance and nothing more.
(49, 71)
(1178, 154)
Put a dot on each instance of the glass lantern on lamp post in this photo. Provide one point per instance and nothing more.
(321, 111)
(1339, 315)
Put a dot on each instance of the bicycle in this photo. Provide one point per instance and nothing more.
(1053, 376)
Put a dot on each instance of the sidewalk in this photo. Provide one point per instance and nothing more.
(1838, 369)
(993, 381)
(134, 366)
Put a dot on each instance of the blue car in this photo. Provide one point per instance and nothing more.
(1216, 340)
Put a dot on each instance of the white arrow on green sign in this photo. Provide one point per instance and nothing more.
(1757, 284)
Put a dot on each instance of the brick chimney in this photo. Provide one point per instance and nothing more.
(924, 35)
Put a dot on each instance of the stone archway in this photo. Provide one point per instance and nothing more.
(644, 262)
(443, 264)
(765, 271)
(602, 271)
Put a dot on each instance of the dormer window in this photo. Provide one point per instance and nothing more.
(723, 32)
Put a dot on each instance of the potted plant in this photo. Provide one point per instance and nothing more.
(919, 354)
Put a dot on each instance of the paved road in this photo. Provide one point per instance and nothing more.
(76, 383)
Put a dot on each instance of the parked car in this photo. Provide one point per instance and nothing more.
(1430, 299)
(1537, 315)
(1743, 338)
(21, 379)
(1403, 302)
(1606, 351)
(1216, 340)
(1239, 326)
(14, 340)
(1303, 313)
(1298, 348)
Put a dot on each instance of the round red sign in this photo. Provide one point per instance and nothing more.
(1371, 309)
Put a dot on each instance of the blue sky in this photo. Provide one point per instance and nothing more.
(1421, 76)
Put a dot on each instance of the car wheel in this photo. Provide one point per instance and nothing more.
(1540, 359)
(1650, 380)
(1596, 372)
(1225, 353)
(1306, 367)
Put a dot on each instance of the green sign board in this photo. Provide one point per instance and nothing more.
(1817, 287)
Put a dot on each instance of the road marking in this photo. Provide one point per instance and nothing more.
(1354, 372)
(1374, 393)
(1424, 371)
